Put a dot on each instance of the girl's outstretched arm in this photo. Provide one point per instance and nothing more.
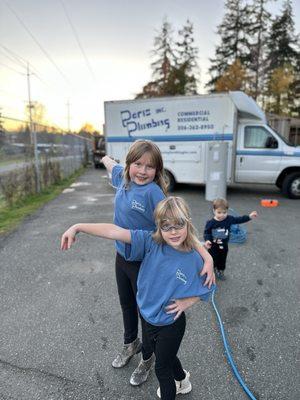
(106, 231)
(109, 163)
(208, 267)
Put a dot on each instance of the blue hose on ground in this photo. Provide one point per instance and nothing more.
(227, 351)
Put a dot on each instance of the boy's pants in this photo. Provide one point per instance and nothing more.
(126, 276)
(166, 341)
(219, 255)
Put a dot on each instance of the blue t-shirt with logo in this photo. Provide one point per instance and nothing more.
(134, 205)
(165, 274)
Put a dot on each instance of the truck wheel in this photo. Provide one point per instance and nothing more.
(291, 185)
(170, 181)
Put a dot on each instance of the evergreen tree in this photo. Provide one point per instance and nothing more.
(295, 89)
(164, 54)
(258, 36)
(283, 54)
(174, 65)
(282, 40)
(164, 59)
(187, 53)
(234, 41)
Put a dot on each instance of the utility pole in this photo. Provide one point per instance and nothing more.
(1, 121)
(2, 134)
(33, 139)
(68, 116)
(30, 106)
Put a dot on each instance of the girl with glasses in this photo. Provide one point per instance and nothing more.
(168, 283)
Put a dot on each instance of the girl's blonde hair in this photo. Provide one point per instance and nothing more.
(176, 211)
(136, 151)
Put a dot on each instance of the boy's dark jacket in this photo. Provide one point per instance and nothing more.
(220, 230)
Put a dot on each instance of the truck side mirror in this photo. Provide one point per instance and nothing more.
(271, 143)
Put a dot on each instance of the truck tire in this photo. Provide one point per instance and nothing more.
(291, 185)
(170, 180)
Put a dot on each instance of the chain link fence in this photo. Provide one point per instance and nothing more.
(32, 159)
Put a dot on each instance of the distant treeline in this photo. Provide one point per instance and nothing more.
(257, 52)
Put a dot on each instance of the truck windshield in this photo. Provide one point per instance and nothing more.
(283, 138)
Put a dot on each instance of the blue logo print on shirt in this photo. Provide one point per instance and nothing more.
(135, 205)
(180, 275)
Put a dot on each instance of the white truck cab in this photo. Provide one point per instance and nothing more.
(184, 126)
(263, 156)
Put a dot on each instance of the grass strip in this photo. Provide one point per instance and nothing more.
(5, 162)
(11, 217)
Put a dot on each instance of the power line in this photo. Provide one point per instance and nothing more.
(16, 56)
(13, 59)
(12, 69)
(68, 115)
(78, 42)
(37, 43)
(23, 62)
(20, 60)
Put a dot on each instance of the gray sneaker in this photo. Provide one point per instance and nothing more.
(140, 374)
(128, 351)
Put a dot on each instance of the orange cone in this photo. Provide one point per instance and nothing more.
(269, 203)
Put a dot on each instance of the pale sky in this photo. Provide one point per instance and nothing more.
(116, 37)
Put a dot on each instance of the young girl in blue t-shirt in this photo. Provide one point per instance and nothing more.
(168, 283)
(139, 187)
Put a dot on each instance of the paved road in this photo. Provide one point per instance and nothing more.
(61, 322)
(14, 166)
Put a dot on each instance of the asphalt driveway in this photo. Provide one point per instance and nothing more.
(61, 321)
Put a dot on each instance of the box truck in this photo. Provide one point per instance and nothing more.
(98, 150)
(185, 126)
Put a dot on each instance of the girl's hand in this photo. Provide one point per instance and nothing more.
(208, 270)
(207, 244)
(253, 214)
(108, 163)
(181, 305)
(68, 238)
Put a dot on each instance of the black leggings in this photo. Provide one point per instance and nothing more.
(126, 275)
(219, 255)
(165, 341)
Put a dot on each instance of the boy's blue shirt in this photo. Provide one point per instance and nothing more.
(135, 205)
(166, 274)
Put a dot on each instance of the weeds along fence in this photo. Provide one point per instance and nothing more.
(31, 161)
